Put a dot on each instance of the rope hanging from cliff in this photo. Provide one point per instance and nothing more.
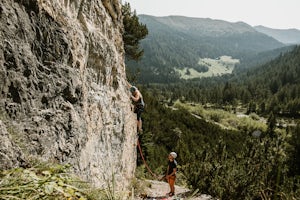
(145, 163)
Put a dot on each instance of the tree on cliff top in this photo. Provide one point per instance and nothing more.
(134, 31)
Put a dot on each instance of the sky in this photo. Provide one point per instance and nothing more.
(277, 14)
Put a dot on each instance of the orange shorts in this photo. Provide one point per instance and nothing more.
(171, 180)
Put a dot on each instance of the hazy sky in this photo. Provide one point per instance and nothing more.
(281, 14)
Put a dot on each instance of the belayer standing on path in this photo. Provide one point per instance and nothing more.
(171, 172)
(139, 104)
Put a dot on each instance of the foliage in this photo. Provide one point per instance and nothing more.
(294, 151)
(273, 87)
(134, 31)
(224, 118)
(139, 186)
(35, 183)
(48, 181)
(257, 170)
(225, 163)
(229, 163)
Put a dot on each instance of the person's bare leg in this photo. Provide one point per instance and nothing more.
(140, 125)
(172, 186)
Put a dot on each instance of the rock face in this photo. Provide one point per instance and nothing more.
(63, 88)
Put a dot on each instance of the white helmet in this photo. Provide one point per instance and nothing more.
(173, 154)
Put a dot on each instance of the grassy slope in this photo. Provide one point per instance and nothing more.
(217, 67)
(225, 119)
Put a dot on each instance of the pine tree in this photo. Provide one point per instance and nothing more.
(134, 31)
(295, 152)
(271, 124)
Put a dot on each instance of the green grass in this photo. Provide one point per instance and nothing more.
(225, 119)
(51, 182)
(217, 67)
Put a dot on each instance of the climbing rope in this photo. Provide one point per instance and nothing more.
(145, 163)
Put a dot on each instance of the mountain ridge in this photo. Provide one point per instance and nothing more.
(194, 24)
(286, 36)
(180, 42)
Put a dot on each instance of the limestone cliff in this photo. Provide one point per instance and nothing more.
(63, 88)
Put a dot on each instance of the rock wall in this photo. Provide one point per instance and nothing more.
(63, 88)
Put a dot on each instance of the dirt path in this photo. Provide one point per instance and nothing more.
(158, 190)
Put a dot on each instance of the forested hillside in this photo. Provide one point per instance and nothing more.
(244, 158)
(227, 164)
(178, 42)
(263, 166)
(258, 59)
(273, 86)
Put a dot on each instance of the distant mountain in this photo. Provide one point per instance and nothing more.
(200, 26)
(177, 42)
(286, 36)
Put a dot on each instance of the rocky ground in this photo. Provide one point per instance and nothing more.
(159, 189)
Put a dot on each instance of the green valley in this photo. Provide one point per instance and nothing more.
(176, 43)
(233, 120)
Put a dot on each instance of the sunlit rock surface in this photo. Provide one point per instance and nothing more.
(63, 88)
